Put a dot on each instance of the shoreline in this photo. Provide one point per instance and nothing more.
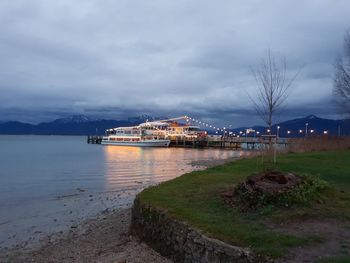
(104, 238)
(108, 230)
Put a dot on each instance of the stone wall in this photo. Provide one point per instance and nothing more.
(181, 243)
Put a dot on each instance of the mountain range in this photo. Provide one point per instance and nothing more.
(74, 125)
(310, 124)
(84, 125)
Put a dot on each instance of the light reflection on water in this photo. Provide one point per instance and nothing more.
(132, 166)
(48, 183)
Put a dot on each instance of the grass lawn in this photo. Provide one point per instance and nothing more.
(195, 199)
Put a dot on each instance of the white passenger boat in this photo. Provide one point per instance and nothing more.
(153, 134)
(149, 134)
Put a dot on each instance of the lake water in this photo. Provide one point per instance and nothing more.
(50, 183)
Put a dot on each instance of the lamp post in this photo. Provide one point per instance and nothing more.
(278, 131)
(306, 124)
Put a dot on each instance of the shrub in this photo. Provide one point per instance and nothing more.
(309, 189)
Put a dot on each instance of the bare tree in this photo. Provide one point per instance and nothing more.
(272, 87)
(342, 76)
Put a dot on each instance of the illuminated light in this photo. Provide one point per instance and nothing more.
(325, 132)
(300, 131)
(218, 129)
(257, 132)
(216, 132)
(312, 131)
(243, 134)
(288, 132)
(240, 132)
(278, 127)
(210, 126)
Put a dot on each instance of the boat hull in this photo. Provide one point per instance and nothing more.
(145, 143)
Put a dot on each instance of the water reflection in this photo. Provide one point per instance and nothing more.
(135, 167)
(52, 182)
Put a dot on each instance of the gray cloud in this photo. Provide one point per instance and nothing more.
(122, 58)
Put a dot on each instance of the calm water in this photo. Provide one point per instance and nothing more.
(48, 183)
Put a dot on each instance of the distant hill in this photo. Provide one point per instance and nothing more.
(84, 125)
(75, 125)
(314, 124)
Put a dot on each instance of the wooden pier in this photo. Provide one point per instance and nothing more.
(225, 142)
(94, 139)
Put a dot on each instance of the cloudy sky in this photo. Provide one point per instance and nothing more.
(118, 58)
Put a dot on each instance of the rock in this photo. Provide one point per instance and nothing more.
(182, 243)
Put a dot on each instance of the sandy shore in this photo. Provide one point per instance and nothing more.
(204, 164)
(102, 239)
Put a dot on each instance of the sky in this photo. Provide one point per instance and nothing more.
(120, 58)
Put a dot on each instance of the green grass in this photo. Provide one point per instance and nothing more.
(195, 198)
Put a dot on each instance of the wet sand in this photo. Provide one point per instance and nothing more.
(102, 239)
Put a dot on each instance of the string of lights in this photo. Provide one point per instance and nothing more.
(250, 130)
(204, 124)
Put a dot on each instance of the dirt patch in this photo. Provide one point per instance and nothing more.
(333, 239)
(103, 239)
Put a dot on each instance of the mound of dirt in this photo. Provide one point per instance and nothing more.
(271, 182)
(261, 189)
